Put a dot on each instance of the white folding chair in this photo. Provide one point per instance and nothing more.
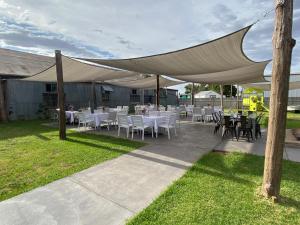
(154, 113)
(208, 114)
(111, 120)
(85, 119)
(197, 113)
(123, 123)
(138, 124)
(169, 124)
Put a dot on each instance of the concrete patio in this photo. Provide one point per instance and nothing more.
(112, 192)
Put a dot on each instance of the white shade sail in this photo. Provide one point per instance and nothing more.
(139, 82)
(267, 86)
(79, 71)
(22, 64)
(219, 61)
(252, 73)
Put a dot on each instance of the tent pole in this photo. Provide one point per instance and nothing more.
(222, 103)
(237, 97)
(157, 92)
(61, 95)
(283, 44)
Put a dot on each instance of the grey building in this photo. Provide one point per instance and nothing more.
(22, 99)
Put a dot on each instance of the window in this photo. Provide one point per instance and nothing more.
(134, 91)
(105, 96)
(51, 88)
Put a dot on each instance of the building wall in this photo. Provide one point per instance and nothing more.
(25, 98)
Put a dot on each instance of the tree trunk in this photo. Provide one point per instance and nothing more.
(282, 53)
(222, 103)
(61, 95)
(193, 93)
(3, 109)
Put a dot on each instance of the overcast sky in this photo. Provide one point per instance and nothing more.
(127, 28)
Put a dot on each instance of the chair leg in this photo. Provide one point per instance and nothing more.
(118, 131)
(152, 131)
(143, 134)
(132, 131)
(168, 133)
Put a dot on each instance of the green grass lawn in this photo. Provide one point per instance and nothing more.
(224, 189)
(31, 155)
(293, 120)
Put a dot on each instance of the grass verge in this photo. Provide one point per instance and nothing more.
(31, 155)
(224, 189)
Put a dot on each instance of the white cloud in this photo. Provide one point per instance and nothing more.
(126, 28)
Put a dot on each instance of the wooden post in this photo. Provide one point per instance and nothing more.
(238, 97)
(193, 90)
(3, 109)
(222, 103)
(282, 54)
(61, 95)
(93, 93)
(157, 92)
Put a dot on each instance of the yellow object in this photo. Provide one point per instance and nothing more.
(254, 99)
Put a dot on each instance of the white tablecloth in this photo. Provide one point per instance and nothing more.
(71, 115)
(98, 117)
(155, 121)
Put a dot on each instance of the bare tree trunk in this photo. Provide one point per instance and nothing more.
(282, 53)
(192, 97)
(61, 95)
(3, 110)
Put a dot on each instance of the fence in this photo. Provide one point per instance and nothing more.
(229, 103)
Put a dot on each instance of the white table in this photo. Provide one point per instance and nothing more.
(71, 115)
(155, 121)
(98, 117)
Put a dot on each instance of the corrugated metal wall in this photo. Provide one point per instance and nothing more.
(24, 98)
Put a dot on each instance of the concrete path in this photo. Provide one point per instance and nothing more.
(257, 147)
(113, 191)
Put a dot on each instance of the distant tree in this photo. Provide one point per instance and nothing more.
(213, 87)
(227, 90)
(197, 88)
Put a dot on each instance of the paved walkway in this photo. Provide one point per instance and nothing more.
(113, 191)
(257, 147)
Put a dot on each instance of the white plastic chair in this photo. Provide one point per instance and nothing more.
(154, 113)
(197, 113)
(169, 124)
(123, 123)
(182, 110)
(85, 119)
(111, 120)
(138, 124)
(208, 114)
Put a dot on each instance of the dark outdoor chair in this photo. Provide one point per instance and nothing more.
(217, 122)
(245, 127)
(228, 126)
(257, 126)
